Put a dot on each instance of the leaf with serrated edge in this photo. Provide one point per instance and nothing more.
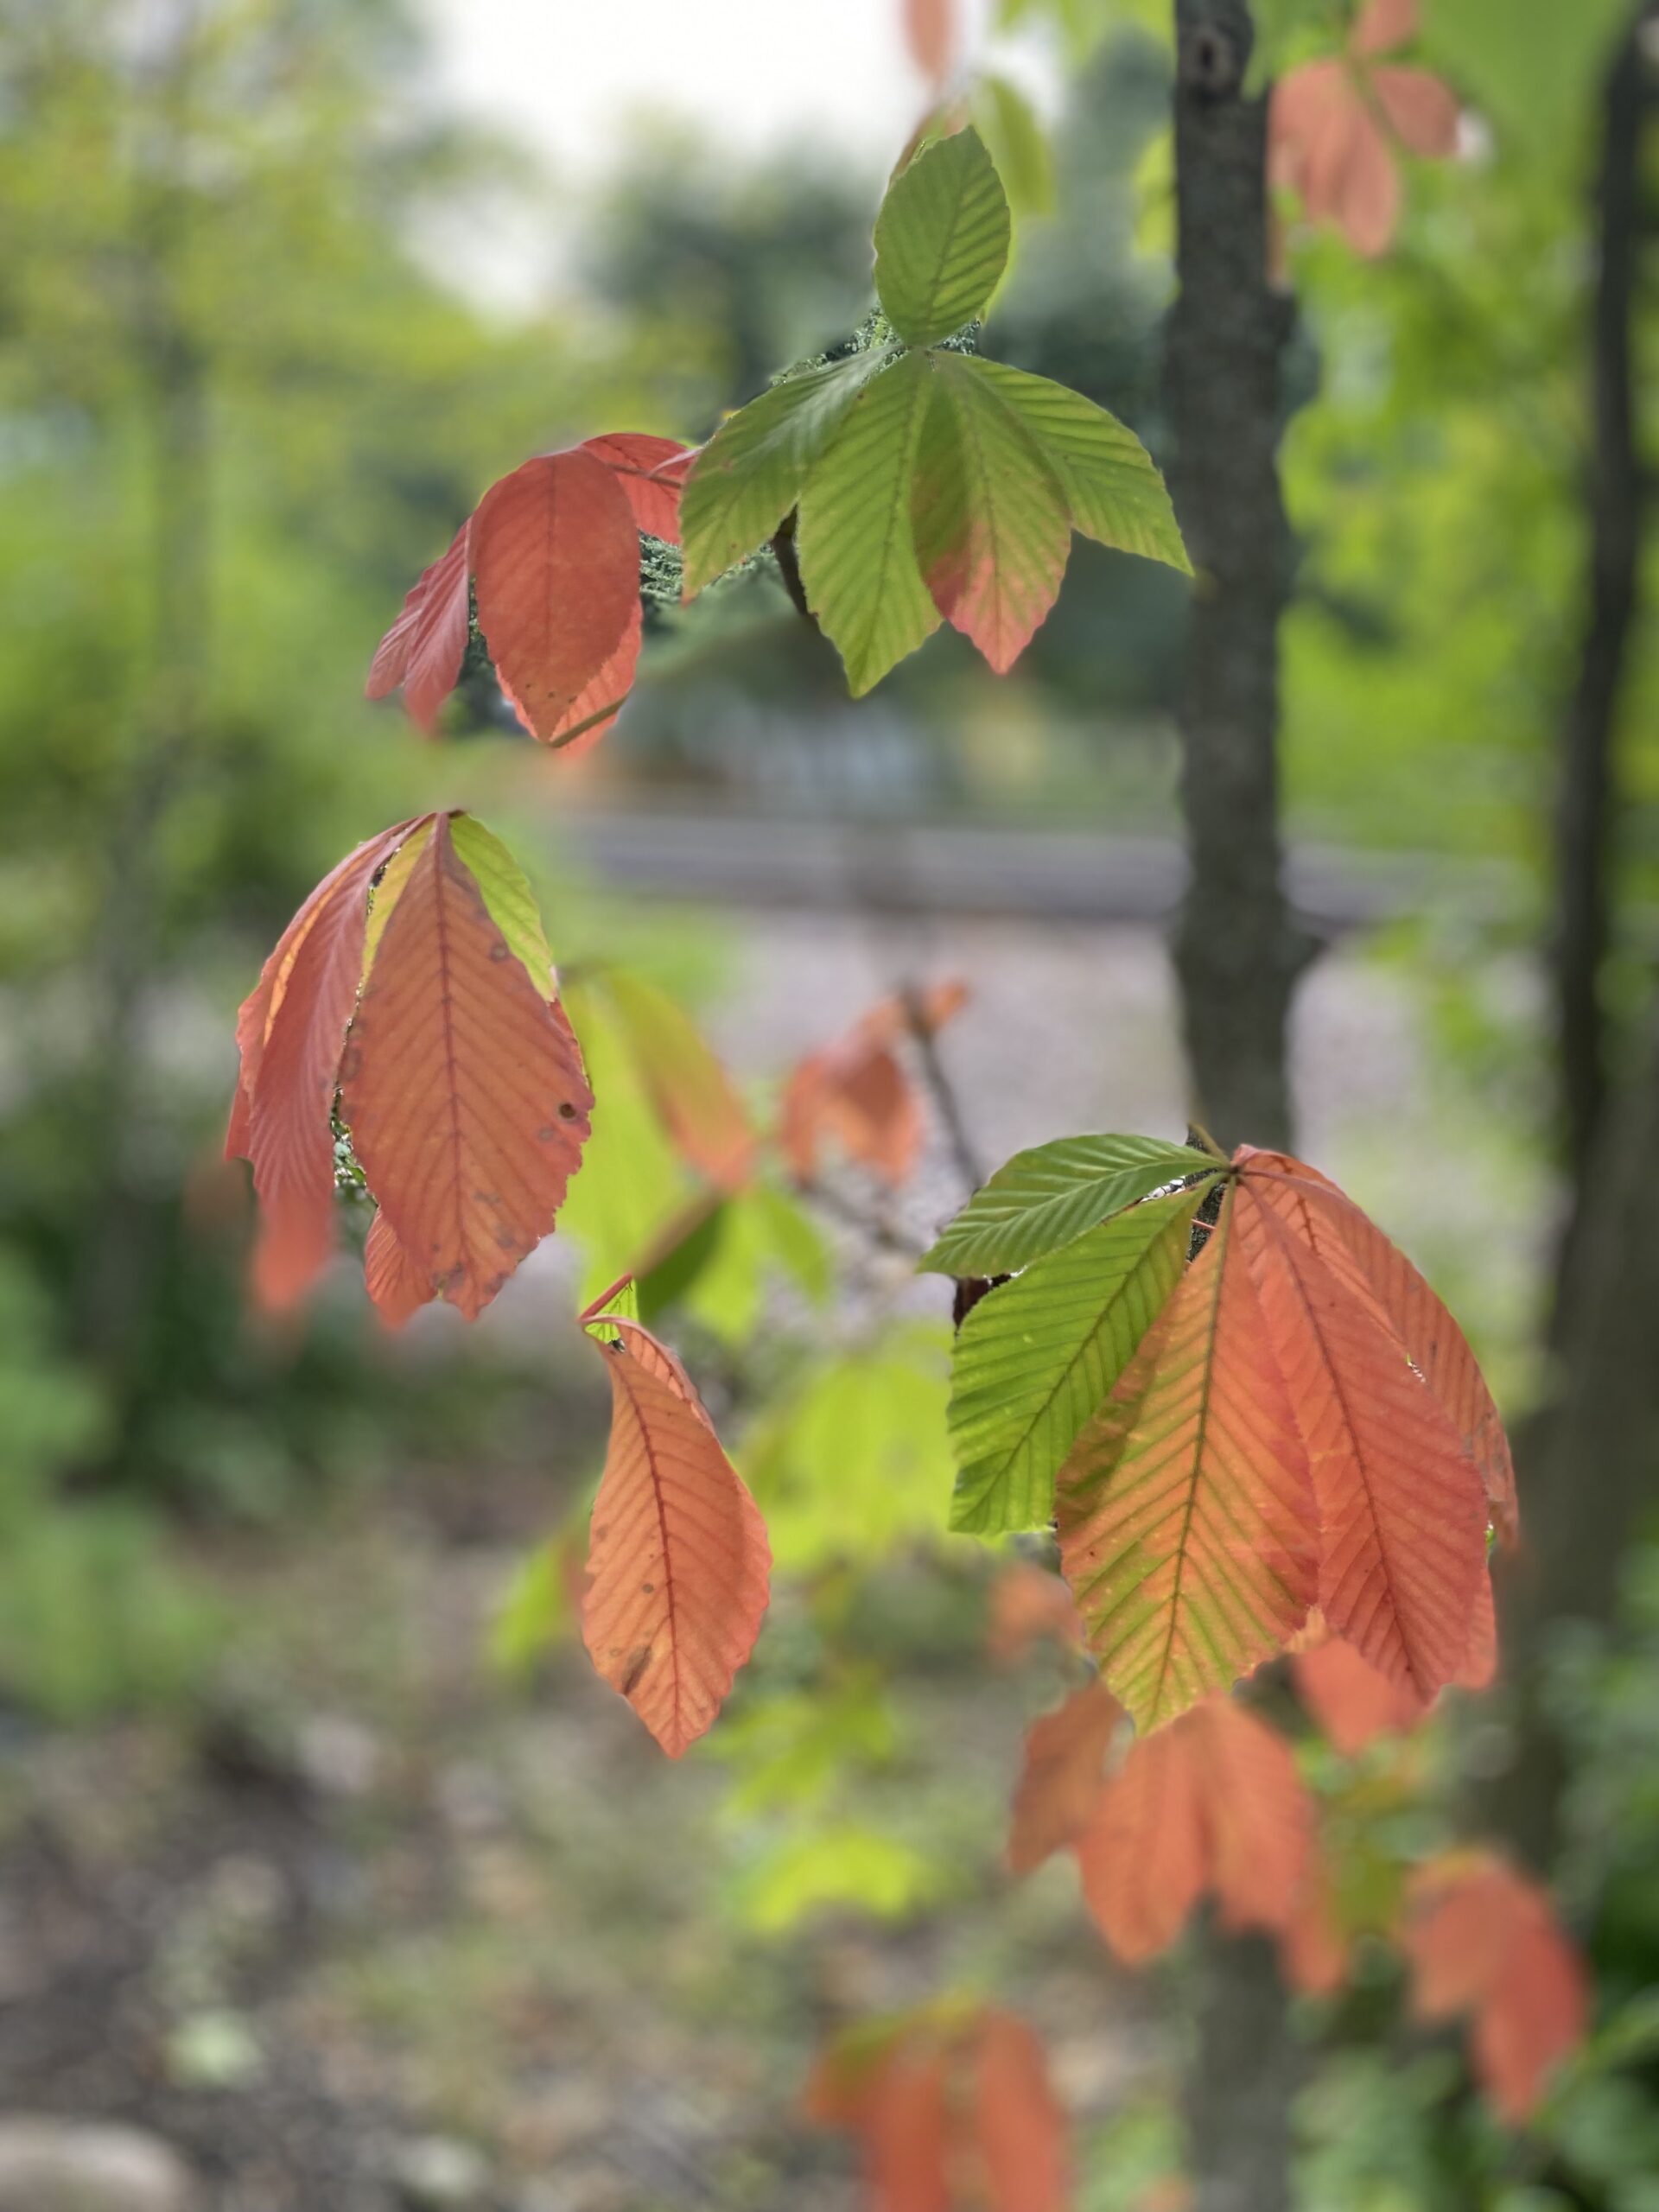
(398, 1289)
(1115, 495)
(1355, 1250)
(1188, 1529)
(555, 561)
(506, 890)
(651, 472)
(856, 547)
(990, 520)
(425, 647)
(462, 1085)
(1035, 1358)
(1044, 1198)
(678, 1560)
(1401, 1512)
(750, 474)
(941, 239)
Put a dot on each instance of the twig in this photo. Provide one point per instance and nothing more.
(882, 1233)
(942, 1090)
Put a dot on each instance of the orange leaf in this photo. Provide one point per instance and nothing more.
(1065, 1765)
(556, 560)
(398, 1289)
(291, 1029)
(462, 1085)
(1212, 1802)
(1421, 111)
(651, 472)
(1351, 1701)
(1028, 1605)
(425, 647)
(601, 700)
(906, 2130)
(1401, 1509)
(1020, 2126)
(931, 34)
(1484, 1939)
(1479, 1665)
(1185, 1509)
(1145, 1856)
(855, 1091)
(678, 1560)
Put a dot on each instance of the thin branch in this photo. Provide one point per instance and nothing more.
(941, 1088)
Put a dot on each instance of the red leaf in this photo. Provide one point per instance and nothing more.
(678, 1560)
(931, 34)
(291, 1029)
(1064, 1765)
(1480, 1660)
(1021, 2129)
(1421, 111)
(425, 647)
(1214, 1802)
(1402, 1510)
(651, 472)
(398, 1289)
(594, 710)
(555, 561)
(906, 2133)
(1482, 1939)
(462, 1085)
(1351, 1701)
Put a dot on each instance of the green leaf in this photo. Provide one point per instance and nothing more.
(941, 239)
(1537, 75)
(1018, 144)
(1036, 1357)
(1044, 1198)
(750, 474)
(1115, 495)
(507, 895)
(857, 551)
(992, 530)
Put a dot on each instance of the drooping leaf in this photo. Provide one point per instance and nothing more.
(691, 1091)
(1029, 1605)
(1114, 493)
(1353, 1701)
(1187, 1514)
(1144, 1857)
(751, 473)
(506, 892)
(291, 1031)
(1402, 1510)
(857, 549)
(1021, 2129)
(677, 1562)
(461, 1085)
(556, 560)
(1038, 1356)
(1482, 1939)
(941, 239)
(1344, 1237)
(398, 1289)
(651, 472)
(856, 1092)
(1211, 1803)
(1064, 1770)
(1044, 1198)
(992, 530)
(424, 647)
(601, 700)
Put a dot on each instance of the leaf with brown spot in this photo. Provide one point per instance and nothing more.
(678, 1561)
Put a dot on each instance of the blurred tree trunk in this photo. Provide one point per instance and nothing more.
(1235, 948)
(1590, 1459)
(1585, 801)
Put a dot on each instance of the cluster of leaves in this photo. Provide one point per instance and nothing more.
(1241, 1404)
(951, 2108)
(1336, 122)
(551, 557)
(1216, 1805)
(413, 998)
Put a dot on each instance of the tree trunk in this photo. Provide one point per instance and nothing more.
(1584, 800)
(1235, 948)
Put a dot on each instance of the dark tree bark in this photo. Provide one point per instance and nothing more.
(1584, 800)
(1235, 952)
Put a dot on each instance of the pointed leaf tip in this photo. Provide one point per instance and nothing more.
(941, 239)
